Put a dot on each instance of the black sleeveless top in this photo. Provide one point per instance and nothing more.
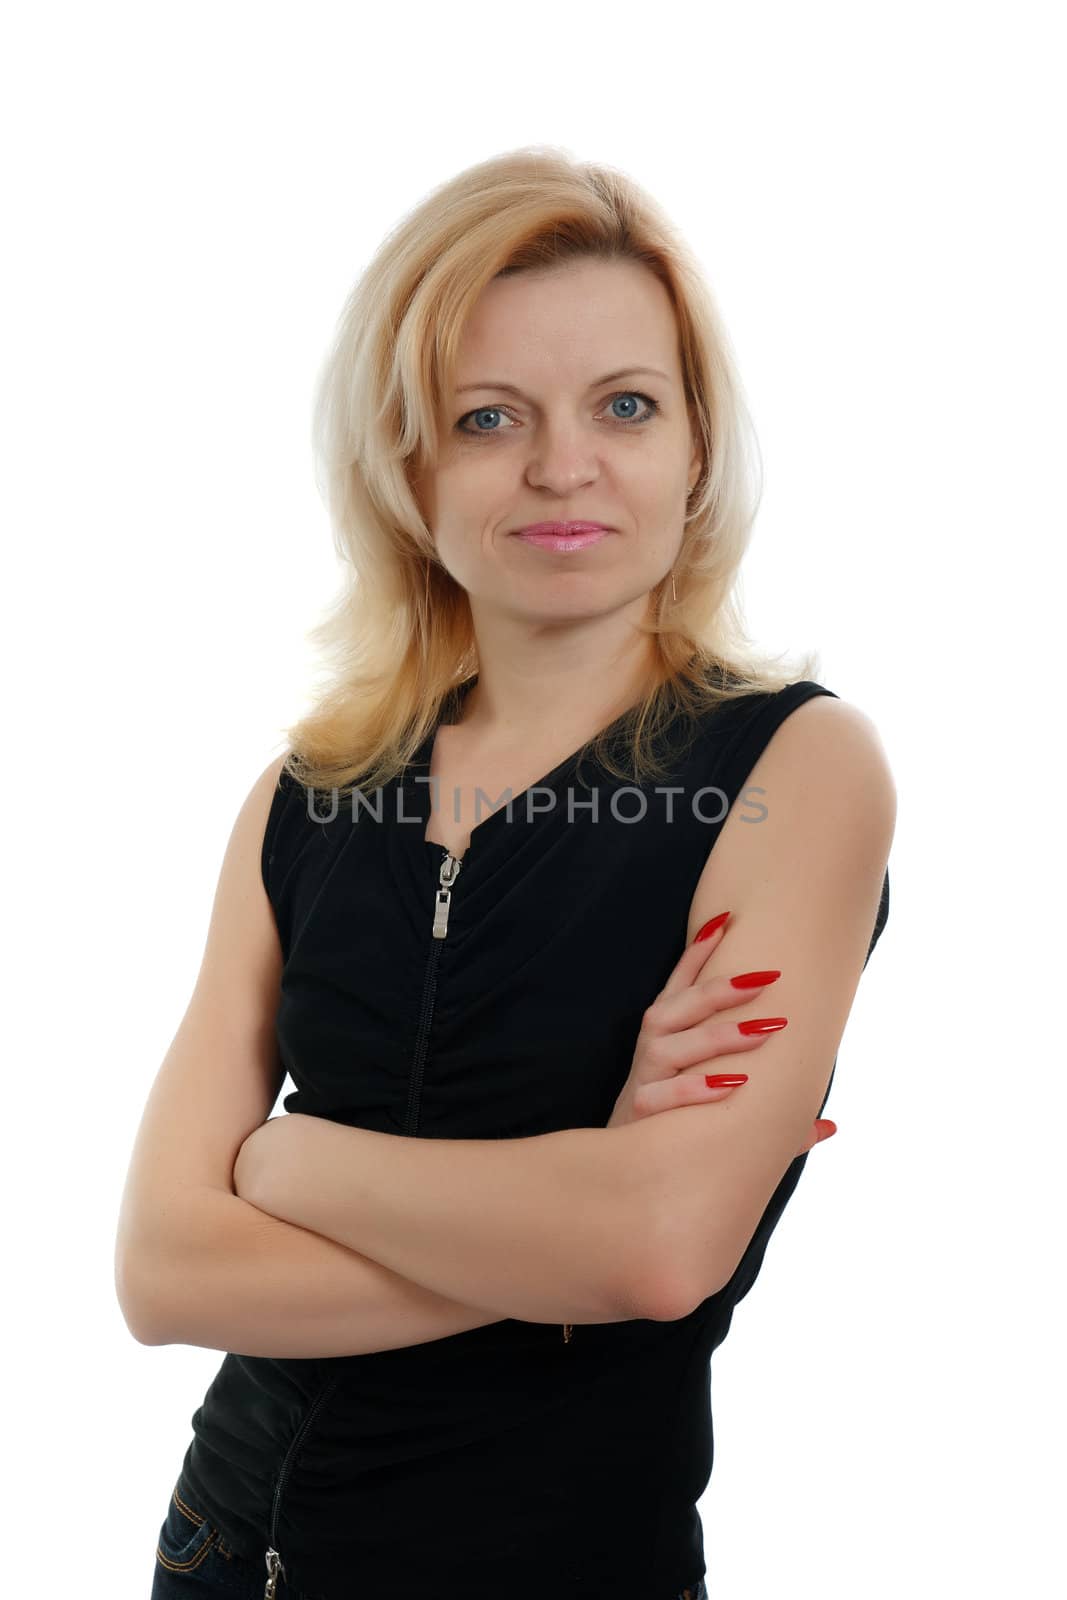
(507, 1459)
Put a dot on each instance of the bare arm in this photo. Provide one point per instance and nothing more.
(546, 1229)
(196, 1264)
(238, 1280)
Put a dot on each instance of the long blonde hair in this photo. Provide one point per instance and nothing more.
(398, 639)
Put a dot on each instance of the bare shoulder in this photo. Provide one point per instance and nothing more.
(271, 774)
(831, 743)
(827, 716)
(822, 781)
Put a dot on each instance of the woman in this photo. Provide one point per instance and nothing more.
(469, 1287)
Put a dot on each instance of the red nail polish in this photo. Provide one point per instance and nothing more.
(761, 1025)
(709, 927)
(725, 1080)
(753, 980)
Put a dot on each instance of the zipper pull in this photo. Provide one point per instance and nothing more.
(568, 1329)
(274, 1566)
(443, 899)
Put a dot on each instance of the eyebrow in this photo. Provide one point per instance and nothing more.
(609, 377)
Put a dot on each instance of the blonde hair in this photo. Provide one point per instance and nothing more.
(398, 639)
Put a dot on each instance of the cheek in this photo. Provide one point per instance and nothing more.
(460, 551)
(465, 495)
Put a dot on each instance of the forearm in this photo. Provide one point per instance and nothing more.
(544, 1229)
(236, 1279)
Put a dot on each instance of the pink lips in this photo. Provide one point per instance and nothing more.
(562, 536)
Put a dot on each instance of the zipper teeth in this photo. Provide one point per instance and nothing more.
(429, 989)
(429, 996)
(447, 879)
(425, 1014)
(290, 1455)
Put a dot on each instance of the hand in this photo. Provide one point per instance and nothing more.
(677, 1043)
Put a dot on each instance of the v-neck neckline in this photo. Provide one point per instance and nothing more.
(486, 829)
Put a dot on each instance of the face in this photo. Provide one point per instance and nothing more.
(565, 446)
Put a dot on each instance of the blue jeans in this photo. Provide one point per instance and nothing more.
(194, 1563)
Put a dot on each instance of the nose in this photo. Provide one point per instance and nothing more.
(563, 468)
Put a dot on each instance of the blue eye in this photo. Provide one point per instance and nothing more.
(497, 411)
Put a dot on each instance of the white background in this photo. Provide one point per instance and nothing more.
(876, 197)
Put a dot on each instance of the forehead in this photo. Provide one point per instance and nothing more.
(579, 320)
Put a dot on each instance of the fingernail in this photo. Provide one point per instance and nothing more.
(753, 980)
(761, 1025)
(725, 1080)
(709, 927)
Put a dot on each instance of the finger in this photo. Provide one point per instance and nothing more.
(688, 1089)
(690, 963)
(822, 1129)
(663, 1057)
(687, 1007)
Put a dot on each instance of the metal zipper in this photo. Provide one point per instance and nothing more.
(275, 1564)
(450, 867)
(449, 872)
(443, 898)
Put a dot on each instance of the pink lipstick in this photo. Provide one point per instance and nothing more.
(563, 536)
